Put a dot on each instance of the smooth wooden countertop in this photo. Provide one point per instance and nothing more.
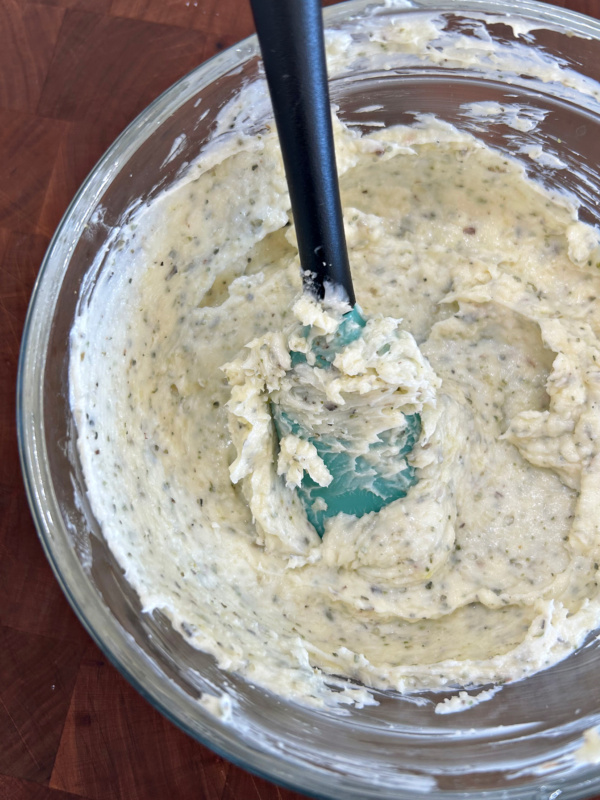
(73, 74)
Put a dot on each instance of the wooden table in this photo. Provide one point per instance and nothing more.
(73, 74)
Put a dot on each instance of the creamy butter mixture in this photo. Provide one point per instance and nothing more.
(487, 287)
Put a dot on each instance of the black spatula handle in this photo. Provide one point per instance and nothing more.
(290, 33)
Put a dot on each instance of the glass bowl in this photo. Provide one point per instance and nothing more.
(522, 743)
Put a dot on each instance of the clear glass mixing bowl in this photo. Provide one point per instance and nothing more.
(519, 744)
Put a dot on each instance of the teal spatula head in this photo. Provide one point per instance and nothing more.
(331, 417)
(358, 485)
(347, 415)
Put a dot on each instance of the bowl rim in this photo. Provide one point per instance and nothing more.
(30, 403)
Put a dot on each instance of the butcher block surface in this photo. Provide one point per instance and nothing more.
(73, 74)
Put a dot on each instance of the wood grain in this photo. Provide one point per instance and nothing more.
(28, 148)
(14, 789)
(224, 23)
(161, 763)
(107, 69)
(33, 714)
(29, 34)
(73, 74)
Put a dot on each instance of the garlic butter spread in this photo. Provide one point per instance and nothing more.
(484, 287)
